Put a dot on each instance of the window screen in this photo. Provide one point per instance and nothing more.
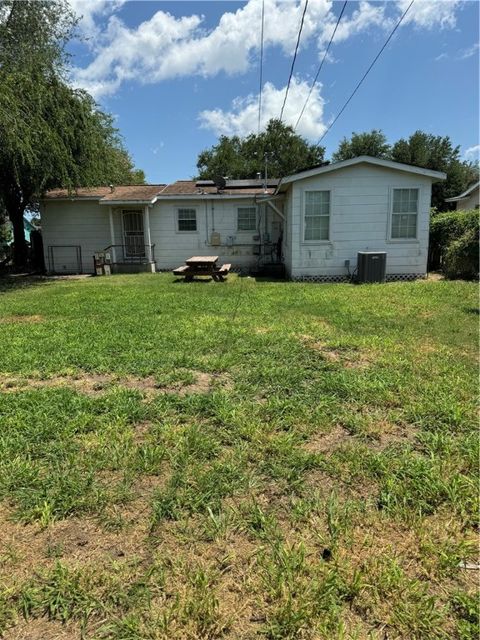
(247, 219)
(404, 213)
(187, 219)
(317, 215)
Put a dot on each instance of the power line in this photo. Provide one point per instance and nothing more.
(294, 57)
(261, 69)
(366, 72)
(321, 65)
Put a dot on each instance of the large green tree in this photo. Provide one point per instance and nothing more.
(420, 149)
(51, 135)
(437, 153)
(284, 151)
(370, 143)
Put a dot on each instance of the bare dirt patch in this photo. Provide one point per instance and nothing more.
(328, 442)
(92, 384)
(19, 319)
(43, 629)
(351, 358)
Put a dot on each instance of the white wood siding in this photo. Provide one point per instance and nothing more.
(471, 202)
(360, 209)
(74, 223)
(172, 247)
(87, 224)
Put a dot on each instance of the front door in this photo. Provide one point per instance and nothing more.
(133, 235)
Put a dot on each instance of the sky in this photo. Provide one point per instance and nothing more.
(177, 75)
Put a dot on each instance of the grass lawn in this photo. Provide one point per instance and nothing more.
(240, 460)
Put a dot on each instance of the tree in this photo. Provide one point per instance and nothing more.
(437, 153)
(370, 143)
(235, 157)
(51, 135)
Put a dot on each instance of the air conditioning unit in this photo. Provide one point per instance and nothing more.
(371, 266)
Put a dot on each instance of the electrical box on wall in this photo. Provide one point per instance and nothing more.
(215, 239)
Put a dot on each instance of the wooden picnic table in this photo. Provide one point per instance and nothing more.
(203, 266)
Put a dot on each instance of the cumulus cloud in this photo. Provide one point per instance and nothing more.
(472, 154)
(429, 14)
(167, 46)
(89, 11)
(242, 118)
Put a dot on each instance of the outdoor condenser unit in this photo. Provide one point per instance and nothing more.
(372, 266)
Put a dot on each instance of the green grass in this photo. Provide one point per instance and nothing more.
(250, 459)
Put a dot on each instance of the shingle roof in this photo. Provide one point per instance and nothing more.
(121, 193)
(232, 188)
(81, 192)
(148, 192)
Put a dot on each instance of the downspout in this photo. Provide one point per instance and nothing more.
(206, 223)
(112, 234)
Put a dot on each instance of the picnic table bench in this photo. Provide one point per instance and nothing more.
(203, 266)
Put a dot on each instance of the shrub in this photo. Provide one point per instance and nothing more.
(454, 243)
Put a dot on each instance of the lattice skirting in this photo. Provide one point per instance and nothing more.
(392, 277)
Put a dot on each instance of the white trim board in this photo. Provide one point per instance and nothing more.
(387, 164)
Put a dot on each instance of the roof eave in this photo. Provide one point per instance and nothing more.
(388, 164)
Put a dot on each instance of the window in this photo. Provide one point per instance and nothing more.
(317, 215)
(404, 214)
(247, 219)
(187, 219)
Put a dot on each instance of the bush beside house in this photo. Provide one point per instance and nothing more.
(454, 243)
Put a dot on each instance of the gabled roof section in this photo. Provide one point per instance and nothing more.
(387, 164)
(137, 193)
(465, 194)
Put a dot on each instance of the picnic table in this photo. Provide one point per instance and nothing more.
(203, 266)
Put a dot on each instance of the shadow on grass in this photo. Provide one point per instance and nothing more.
(14, 282)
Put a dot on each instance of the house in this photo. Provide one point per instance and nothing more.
(315, 221)
(469, 199)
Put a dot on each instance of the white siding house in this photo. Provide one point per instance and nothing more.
(315, 222)
(469, 199)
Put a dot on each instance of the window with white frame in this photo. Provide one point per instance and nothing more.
(317, 216)
(246, 219)
(404, 214)
(187, 219)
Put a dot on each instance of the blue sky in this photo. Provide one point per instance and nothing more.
(178, 74)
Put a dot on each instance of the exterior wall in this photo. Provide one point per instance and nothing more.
(85, 224)
(287, 236)
(360, 210)
(471, 202)
(172, 247)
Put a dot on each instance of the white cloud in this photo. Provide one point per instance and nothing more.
(88, 11)
(429, 14)
(166, 46)
(242, 118)
(471, 51)
(472, 154)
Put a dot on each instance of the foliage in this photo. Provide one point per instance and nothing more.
(52, 135)
(325, 470)
(454, 243)
(420, 149)
(370, 143)
(437, 153)
(462, 256)
(235, 157)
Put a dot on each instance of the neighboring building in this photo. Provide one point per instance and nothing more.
(469, 199)
(313, 221)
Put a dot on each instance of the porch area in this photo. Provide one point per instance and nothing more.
(131, 249)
